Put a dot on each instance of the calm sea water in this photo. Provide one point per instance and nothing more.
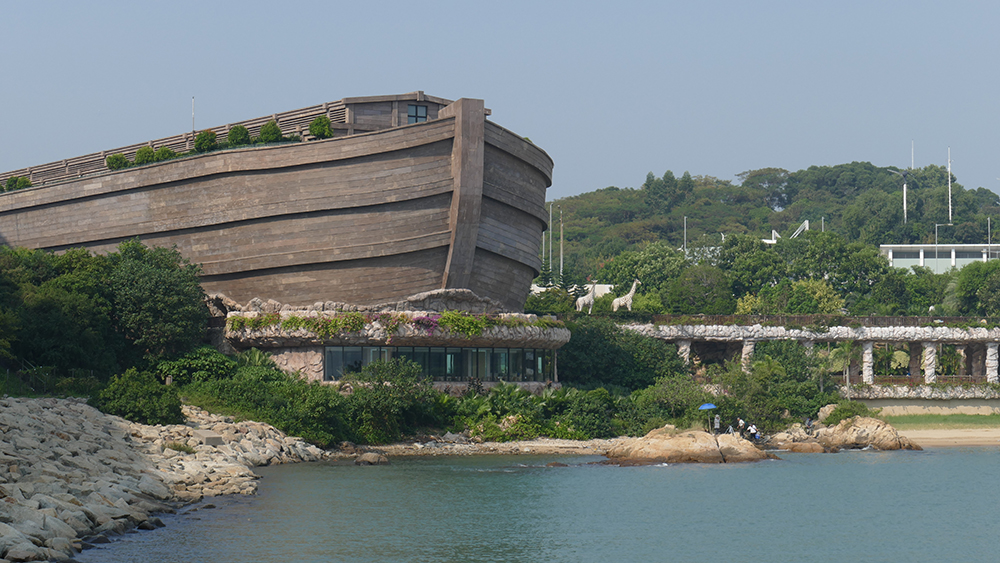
(937, 505)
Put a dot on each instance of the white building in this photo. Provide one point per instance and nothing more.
(938, 257)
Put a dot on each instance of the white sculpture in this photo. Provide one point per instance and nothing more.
(587, 300)
(626, 300)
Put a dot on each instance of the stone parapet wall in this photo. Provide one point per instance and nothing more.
(922, 392)
(733, 333)
(375, 334)
(437, 301)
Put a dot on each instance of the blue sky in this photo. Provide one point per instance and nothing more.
(610, 90)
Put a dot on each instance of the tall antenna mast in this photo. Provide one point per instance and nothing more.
(550, 237)
(903, 175)
(949, 184)
(192, 114)
(561, 238)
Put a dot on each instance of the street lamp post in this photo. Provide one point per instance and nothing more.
(936, 258)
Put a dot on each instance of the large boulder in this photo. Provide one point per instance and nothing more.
(666, 445)
(862, 432)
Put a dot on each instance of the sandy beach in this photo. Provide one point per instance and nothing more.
(954, 437)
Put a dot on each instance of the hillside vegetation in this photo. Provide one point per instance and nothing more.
(615, 235)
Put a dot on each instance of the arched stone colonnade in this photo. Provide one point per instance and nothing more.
(977, 347)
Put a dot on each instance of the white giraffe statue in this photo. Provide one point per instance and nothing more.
(587, 300)
(626, 300)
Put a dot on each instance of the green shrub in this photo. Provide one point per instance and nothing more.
(389, 399)
(601, 354)
(179, 447)
(311, 410)
(139, 397)
(164, 153)
(145, 155)
(848, 409)
(202, 364)
(505, 429)
(238, 136)
(205, 141)
(321, 128)
(463, 323)
(580, 415)
(270, 132)
(117, 161)
(254, 357)
(16, 183)
(507, 412)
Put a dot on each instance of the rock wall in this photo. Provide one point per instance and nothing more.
(69, 473)
(924, 392)
(831, 334)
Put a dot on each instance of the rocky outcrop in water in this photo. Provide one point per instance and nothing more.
(853, 433)
(667, 445)
(862, 432)
(69, 473)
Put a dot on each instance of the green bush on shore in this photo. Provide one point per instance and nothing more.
(139, 397)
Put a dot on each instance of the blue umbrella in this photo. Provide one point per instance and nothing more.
(707, 406)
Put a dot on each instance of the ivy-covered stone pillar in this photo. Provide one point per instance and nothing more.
(867, 363)
(930, 362)
(991, 362)
(684, 350)
(748, 346)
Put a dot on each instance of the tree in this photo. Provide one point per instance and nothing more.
(238, 136)
(17, 183)
(321, 127)
(773, 182)
(977, 287)
(117, 162)
(656, 265)
(164, 153)
(751, 264)
(205, 141)
(600, 353)
(552, 301)
(270, 132)
(144, 155)
(158, 302)
(701, 289)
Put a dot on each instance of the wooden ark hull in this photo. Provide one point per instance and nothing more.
(453, 202)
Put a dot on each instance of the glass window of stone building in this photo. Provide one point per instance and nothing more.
(447, 364)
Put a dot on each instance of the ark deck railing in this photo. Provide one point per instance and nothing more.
(294, 122)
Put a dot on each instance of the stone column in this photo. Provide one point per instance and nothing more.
(961, 359)
(867, 359)
(991, 362)
(915, 356)
(977, 359)
(748, 346)
(930, 362)
(684, 350)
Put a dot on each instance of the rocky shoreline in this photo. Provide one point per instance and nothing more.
(71, 475)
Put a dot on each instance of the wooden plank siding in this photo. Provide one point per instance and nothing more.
(365, 218)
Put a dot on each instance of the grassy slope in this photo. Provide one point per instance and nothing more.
(941, 421)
